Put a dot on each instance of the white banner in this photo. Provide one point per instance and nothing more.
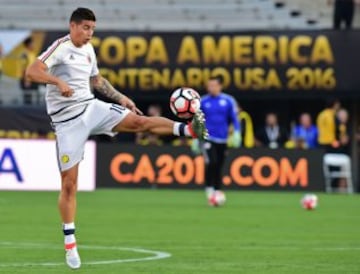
(32, 165)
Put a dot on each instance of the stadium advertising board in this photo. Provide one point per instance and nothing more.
(25, 123)
(32, 165)
(287, 62)
(166, 166)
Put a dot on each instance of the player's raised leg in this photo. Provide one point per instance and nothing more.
(67, 208)
(163, 126)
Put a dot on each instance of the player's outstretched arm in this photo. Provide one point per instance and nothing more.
(104, 87)
(37, 72)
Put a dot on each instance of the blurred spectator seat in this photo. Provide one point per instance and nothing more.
(343, 164)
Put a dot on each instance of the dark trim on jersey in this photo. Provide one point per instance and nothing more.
(117, 108)
(51, 51)
(57, 151)
(71, 118)
(64, 108)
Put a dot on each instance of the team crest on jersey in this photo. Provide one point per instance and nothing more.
(89, 58)
(223, 102)
(65, 159)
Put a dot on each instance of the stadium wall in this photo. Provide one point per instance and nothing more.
(32, 165)
(176, 167)
(262, 64)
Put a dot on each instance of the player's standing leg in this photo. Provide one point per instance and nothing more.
(67, 208)
(214, 155)
(220, 155)
(71, 137)
(209, 153)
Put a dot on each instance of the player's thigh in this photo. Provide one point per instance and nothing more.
(109, 118)
(221, 153)
(132, 123)
(209, 152)
(69, 177)
(70, 143)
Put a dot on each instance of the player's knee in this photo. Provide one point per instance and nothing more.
(69, 184)
(141, 123)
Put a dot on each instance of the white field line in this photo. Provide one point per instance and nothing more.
(152, 254)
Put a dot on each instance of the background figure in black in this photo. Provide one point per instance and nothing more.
(342, 131)
(271, 135)
(342, 144)
(343, 12)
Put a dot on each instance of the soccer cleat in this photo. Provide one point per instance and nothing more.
(72, 257)
(197, 126)
(209, 192)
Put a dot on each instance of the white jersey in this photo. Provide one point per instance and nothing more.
(74, 65)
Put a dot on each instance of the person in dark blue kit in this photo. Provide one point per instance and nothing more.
(220, 110)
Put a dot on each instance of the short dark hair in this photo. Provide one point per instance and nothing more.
(216, 78)
(331, 102)
(82, 14)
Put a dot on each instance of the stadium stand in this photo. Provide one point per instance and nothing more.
(171, 15)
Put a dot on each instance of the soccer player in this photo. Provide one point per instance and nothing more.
(69, 68)
(220, 110)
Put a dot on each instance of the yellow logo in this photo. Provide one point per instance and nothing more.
(65, 159)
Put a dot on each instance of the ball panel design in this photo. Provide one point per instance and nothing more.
(184, 102)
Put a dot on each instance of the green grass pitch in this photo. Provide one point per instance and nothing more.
(256, 232)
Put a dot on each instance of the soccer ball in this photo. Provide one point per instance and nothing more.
(218, 198)
(309, 201)
(184, 102)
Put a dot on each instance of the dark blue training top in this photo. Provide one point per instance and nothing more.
(220, 111)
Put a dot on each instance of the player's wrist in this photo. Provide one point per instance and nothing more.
(122, 99)
(56, 81)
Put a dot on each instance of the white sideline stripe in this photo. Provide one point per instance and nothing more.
(155, 255)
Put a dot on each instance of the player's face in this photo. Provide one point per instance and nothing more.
(305, 120)
(82, 33)
(343, 116)
(271, 120)
(214, 87)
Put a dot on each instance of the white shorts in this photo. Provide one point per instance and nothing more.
(71, 136)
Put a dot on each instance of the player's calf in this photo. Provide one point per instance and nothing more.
(163, 126)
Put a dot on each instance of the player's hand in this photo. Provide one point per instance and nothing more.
(128, 103)
(64, 88)
(195, 146)
(236, 139)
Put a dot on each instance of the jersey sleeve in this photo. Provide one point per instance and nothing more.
(51, 56)
(94, 69)
(234, 114)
